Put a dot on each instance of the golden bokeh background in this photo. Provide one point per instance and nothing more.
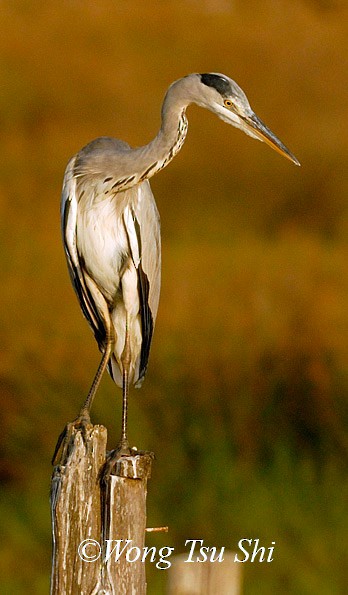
(245, 402)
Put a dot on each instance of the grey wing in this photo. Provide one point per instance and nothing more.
(144, 235)
(69, 204)
(150, 231)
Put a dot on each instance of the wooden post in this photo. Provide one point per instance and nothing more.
(124, 497)
(88, 513)
(204, 578)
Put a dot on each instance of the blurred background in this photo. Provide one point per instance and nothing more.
(245, 401)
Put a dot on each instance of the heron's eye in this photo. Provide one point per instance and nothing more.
(228, 103)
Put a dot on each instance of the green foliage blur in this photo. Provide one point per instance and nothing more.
(245, 401)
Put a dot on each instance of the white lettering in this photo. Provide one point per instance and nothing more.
(258, 554)
(271, 550)
(129, 553)
(147, 550)
(202, 551)
(220, 557)
(193, 541)
(257, 550)
(240, 546)
(119, 553)
(162, 562)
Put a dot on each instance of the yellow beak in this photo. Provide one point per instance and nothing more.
(259, 129)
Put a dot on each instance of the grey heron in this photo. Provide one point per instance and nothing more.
(111, 229)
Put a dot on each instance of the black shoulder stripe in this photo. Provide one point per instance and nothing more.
(137, 231)
(145, 310)
(86, 301)
(67, 205)
(90, 311)
(146, 320)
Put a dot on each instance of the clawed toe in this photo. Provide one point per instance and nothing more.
(80, 423)
(112, 458)
(125, 462)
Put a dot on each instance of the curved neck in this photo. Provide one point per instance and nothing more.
(162, 149)
(142, 163)
(127, 167)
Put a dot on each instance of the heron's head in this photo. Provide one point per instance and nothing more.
(224, 97)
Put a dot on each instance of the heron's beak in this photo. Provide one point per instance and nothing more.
(257, 128)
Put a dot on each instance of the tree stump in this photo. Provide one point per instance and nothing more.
(93, 519)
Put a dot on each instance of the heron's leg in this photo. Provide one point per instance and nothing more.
(83, 419)
(126, 361)
(123, 446)
(86, 407)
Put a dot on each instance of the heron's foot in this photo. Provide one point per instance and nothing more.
(125, 462)
(113, 457)
(82, 422)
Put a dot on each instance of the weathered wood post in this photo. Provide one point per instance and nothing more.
(204, 578)
(87, 514)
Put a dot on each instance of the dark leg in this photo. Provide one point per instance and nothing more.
(86, 407)
(126, 361)
(83, 419)
(123, 446)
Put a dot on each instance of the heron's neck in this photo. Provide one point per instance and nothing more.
(168, 142)
(142, 163)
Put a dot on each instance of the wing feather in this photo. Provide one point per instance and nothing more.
(143, 230)
(147, 215)
(77, 272)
